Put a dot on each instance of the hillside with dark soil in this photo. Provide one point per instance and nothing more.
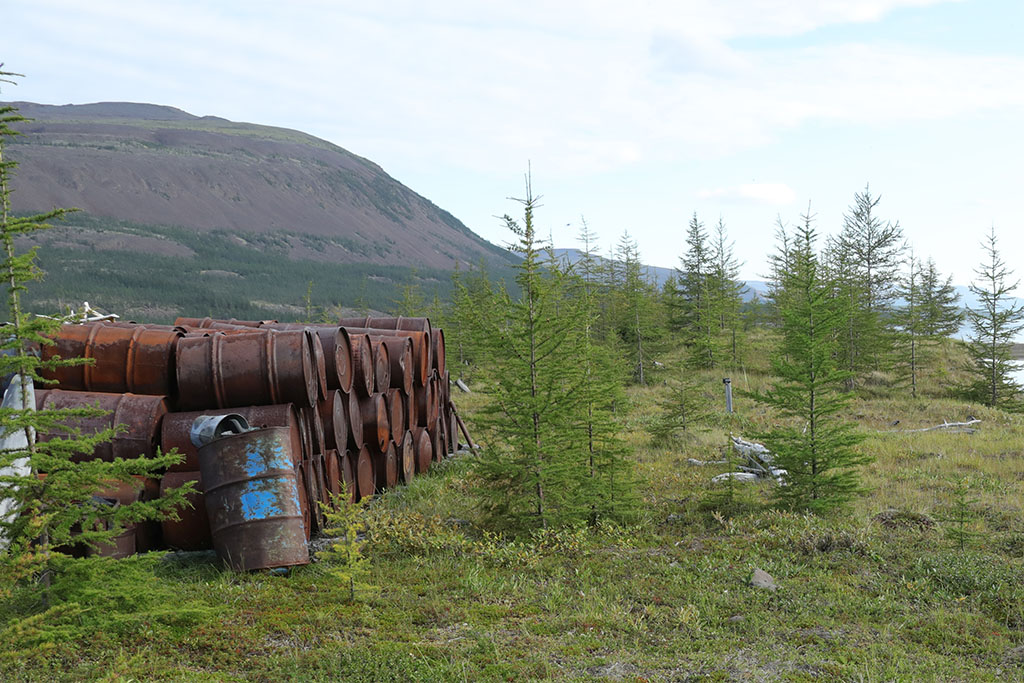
(151, 181)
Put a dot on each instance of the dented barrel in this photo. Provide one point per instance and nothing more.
(252, 499)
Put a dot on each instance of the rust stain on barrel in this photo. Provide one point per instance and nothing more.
(334, 420)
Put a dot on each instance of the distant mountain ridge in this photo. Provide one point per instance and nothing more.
(152, 164)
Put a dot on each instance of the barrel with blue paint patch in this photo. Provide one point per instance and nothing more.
(252, 499)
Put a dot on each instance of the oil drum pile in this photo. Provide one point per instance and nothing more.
(365, 401)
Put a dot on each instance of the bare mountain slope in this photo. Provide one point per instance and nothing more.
(155, 165)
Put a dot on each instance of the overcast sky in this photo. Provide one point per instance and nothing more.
(633, 115)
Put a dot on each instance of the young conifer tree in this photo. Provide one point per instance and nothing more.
(815, 445)
(552, 459)
(54, 503)
(995, 323)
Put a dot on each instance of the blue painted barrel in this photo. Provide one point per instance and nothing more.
(252, 499)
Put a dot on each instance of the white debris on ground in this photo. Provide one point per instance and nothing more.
(755, 463)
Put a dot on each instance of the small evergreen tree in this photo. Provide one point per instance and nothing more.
(552, 458)
(816, 447)
(994, 325)
(346, 521)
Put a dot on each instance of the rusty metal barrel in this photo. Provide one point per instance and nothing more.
(191, 531)
(135, 359)
(141, 416)
(410, 408)
(422, 348)
(304, 500)
(212, 322)
(423, 449)
(381, 366)
(385, 466)
(332, 474)
(319, 363)
(348, 474)
(252, 500)
(435, 441)
(366, 479)
(426, 403)
(356, 438)
(406, 457)
(373, 411)
(363, 370)
(402, 364)
(337, 352)
(311, 416)
(147, 534)
(334, 418)
(399, 323)
(440, 362)
(265, 367)
(174, 430)
(397, 418)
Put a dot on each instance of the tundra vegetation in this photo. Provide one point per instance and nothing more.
(583, 543)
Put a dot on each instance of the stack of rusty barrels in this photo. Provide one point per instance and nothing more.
(364, 402)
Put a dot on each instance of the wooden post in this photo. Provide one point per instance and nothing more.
(728, 394)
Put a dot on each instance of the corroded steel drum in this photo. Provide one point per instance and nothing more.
(337, 352)
(363, 370)
(410, 408)
(146, 534)
(406, 458)
(139, 414)
(332, 473)
(319, 363)
(426, 403)
(265, 367)
(373, 411)
(396, 413)
(335, 421)
(366, 480)
(175, 427)
(191, 531)
(385, 466)
(399, 323)
(421, 347)
(435, 441)
(356, 438)
(307, 511)
(311, 487)
(381, 366)
(423, 448)
(252, 499)
(311, 416)
(440, 363)
(348, 474)
(402, 366)
(135, 359)
(212, 322)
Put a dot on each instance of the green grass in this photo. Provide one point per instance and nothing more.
(860, 598)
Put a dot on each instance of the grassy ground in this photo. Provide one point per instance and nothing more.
(876, 593)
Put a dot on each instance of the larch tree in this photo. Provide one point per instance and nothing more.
(815, 446)
(995, 323)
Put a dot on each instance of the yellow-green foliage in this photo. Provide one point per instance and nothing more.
(344, 556)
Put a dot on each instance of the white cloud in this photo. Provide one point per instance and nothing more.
(770, 194)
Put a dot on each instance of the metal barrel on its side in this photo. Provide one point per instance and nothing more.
(381, 366)
(141, 416)
(138, 359)
(252, 500)
(424, 449)
(422, 348)
(334, 419)
(407, 458)
(363, 371)
(191, 531)
(213, 322)
(385, 466)
(262, 367)
(337, 351)
(376, 425)
(396, 413)
(366, 480)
